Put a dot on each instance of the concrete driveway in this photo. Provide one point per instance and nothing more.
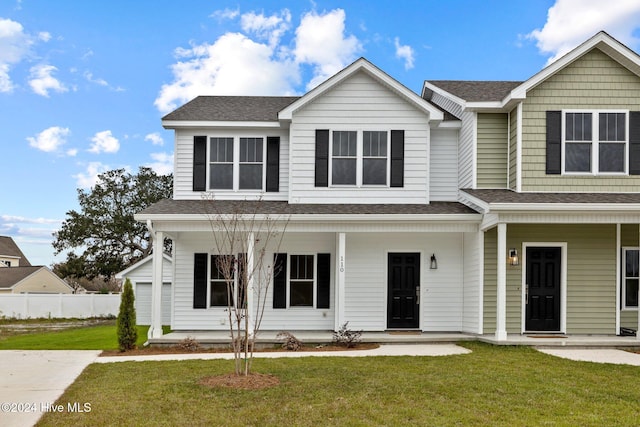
(31, 381)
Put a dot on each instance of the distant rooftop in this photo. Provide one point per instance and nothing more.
(9, 248)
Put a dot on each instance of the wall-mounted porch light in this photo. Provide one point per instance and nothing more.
(513, 257)
(434, 262)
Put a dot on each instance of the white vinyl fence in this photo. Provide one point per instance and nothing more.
(23, 306)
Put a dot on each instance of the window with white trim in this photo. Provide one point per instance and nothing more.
(595, 142)
(630, 277)
(359, 158)
(236, 163)
(302, 281)
(227, 278)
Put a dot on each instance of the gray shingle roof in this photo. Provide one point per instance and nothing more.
(9, 248)
(477, 91)
(508, 196)
(232, 108)
(9, 276)
(209, 207)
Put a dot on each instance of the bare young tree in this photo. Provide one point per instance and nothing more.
(245, 235)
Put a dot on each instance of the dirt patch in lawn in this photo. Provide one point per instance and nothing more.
(178, 350)
(9, 327)
(252, 381)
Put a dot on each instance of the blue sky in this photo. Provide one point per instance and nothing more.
(84, 84)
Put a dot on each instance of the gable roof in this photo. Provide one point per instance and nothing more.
(9, 248)
(478, 95)
(140, 264)
(13, 275)
(362, 65)
(231, 108)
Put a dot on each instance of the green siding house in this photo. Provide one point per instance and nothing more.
(556, 160)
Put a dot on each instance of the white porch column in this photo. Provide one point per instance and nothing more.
(501, 300)
(638, 327)
(250, 311)
(155, 330)
(340, 279)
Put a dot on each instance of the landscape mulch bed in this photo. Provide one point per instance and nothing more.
(177, 350)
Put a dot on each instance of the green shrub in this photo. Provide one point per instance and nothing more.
(126, 322)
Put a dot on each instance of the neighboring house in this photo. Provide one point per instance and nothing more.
(140, 275)
(32, 280)
(18, 276)
(10, 254)
(479, 207)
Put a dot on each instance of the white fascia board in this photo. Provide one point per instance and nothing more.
(564, 207)
(139, 264)
(461, 102)
(473, 202)
(362, 65)
(450, 124)
(469, 218)
(177, 124)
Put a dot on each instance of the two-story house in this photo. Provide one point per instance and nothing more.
(488, 208)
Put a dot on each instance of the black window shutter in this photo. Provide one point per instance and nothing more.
(279, 280)
(199, 163)
(273, 164)
(322, 158)
(324, 281)
(554, 142)
(397, 158)
(200, 280)
(634, 143)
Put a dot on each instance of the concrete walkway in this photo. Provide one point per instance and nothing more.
(382, 350)
(596, 355)
(31, 381)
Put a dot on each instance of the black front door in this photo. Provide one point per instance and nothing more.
(543, 289)
(404, 286)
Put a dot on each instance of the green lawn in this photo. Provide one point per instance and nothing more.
(102, 337)
(493, 386)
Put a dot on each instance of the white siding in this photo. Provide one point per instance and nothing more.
(447, 104)
(366, 279)
(443, 184)
(360, 103)
(467, 163)
(366, 282)
(472, 283)
(183, 162)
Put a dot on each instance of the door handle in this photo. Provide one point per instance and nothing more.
(526, 294)
(418, 295)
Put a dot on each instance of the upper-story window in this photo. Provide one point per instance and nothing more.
(359, 158)
(595, 142)
(236, 163)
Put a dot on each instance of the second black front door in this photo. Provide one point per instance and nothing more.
(543, 289)
(404, 288)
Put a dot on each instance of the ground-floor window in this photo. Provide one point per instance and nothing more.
(227, 278)
(630, 277)
(301, 280)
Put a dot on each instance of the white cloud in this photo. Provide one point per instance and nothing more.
(44, 36)
(14, 47)
(21, 219)
(42, 80)
(104, 142)
(50, 140)
(72, 152)
(225, 14)
(570, 22)
(99, 81)
(162, 164)
(155, 138)
(404, 52)
(270, 28)
(232, 65)
(89, 178)
(321, 42)
(236, 64)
